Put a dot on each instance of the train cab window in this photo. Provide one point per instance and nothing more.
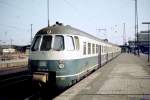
(77, 42)
(93, 48)
(36, 43)
(89, 48)
(84, 48)
(69, 43)
(58, 43)
(46, 43)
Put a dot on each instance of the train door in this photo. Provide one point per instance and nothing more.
(99, 56)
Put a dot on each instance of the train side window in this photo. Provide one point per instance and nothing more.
(84, 48)
(77, 43)
(100, 49)
(89, 48)
(103, 49)
(93, 48)
(58, 43)
(36, 43)
(69, 43)
(46, 43)
(96, 48)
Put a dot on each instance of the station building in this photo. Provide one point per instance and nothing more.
(143, 43)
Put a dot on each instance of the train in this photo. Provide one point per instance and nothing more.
(65, 54)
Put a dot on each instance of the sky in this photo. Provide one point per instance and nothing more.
(87, 15)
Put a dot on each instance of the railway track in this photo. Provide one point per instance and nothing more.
(9, 77)
(19, 86)
(13, 84)
(13, 80)
(44, 94)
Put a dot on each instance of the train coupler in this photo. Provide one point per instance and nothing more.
(41, 76)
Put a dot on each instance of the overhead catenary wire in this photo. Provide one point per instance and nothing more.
(76, 10)
(12, 27)
(11, 5)
(14, 6)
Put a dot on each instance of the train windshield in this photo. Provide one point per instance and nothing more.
(46, 43)
(58, 43)
(69, 43)
(36, 43)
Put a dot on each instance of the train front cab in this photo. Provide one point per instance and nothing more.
(51, 55)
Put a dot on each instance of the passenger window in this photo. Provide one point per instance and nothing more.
(84, 48)
(77, 43)
(36, 43)
(89, 48)
(96, 48)
(69, 43)
(46, 43)
(58, 43)
(93, 48)
(99, 49)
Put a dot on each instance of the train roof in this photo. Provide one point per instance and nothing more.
(59, 28)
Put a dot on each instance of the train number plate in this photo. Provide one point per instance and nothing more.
(42, 63)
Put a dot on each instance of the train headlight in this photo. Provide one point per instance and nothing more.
(61, 66)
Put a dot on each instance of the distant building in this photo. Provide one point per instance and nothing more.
(14, 48)
(143, 39)
(143, 43)
(6, 49)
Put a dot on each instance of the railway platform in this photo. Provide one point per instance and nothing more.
(13, 63)
(126, 77)
(13, 66)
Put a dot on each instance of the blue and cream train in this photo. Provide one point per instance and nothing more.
(67, 54)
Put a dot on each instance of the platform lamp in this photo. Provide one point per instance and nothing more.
(148, 23)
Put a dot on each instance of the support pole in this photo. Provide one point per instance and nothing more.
(148, 42)
(48, 11)
(31, 33)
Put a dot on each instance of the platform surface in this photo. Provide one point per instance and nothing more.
(126, 77)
